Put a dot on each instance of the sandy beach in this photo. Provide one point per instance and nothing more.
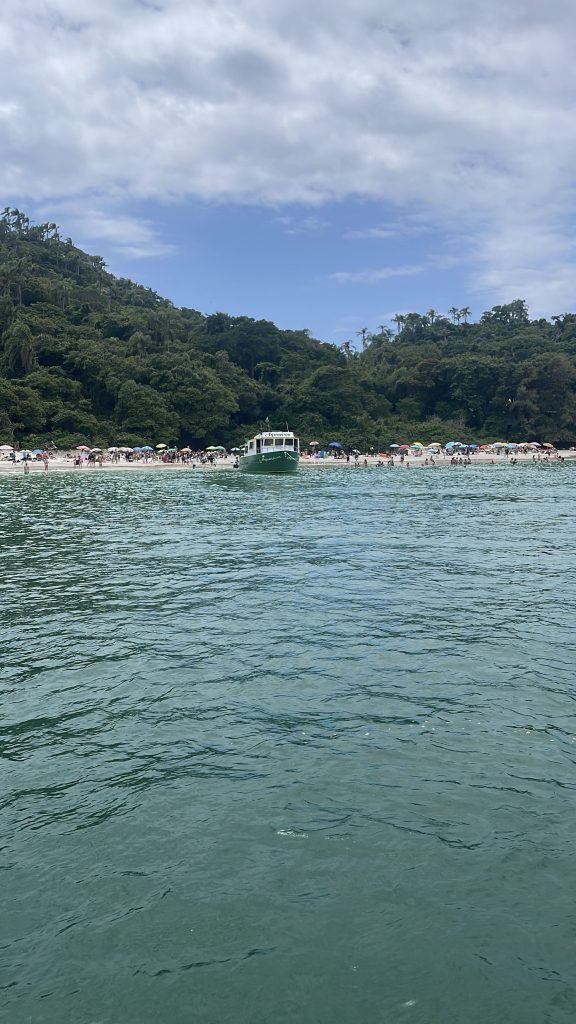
(60, 463)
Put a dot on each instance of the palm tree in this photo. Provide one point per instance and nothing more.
(362, 333)
(455, 314)
(465, 313)
(399, 320)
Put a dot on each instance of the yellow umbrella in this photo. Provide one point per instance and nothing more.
(417, 444)
(434, 444)
(548, 445)
(161, 445)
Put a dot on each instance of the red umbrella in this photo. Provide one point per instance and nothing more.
(405, 446)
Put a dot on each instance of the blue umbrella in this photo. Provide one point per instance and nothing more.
(138, 449)
(37, 451)
(472, 445)
(451, 444)
(147, 448)
(334, 444)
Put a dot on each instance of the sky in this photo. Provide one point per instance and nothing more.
(324, 164)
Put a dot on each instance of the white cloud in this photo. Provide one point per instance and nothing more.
(465, 111)
(371, 276)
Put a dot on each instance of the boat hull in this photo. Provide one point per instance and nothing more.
(270, 462)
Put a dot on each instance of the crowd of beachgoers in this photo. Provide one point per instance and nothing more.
(454, 453)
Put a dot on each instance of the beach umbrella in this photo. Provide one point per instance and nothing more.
(417, 446)
(124, 449)
(235, 450)
(334, 444)
(82, 448)
(220, 448)
(37, 451)
(147, 448)
(211, 448)
(394, 445)
(137, 449)
(404, 447)
(161, 445)
(434, 444)
(547, 444)
(113, 448)
(95, 450)
(6, 448)
(313, 442)
(484, 447)
(474, 446)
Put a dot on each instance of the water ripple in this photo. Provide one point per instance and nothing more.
(294, 749)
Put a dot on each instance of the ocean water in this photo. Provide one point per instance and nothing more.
(288, 749)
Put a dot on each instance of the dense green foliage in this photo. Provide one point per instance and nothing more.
(87, 357)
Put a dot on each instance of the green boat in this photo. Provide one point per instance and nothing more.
(272, 451)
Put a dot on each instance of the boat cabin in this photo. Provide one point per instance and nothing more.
(273, 441)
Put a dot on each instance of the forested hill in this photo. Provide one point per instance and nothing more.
(88, 357)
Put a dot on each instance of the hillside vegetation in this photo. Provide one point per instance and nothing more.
(88, 357)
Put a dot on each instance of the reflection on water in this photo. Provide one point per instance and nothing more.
(288, 749)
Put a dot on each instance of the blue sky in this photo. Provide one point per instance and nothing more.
(321, 163)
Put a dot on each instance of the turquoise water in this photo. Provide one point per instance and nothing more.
(288, 749)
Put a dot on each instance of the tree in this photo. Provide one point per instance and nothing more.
(19, 349)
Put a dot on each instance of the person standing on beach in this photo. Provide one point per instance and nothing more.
(26, 466)
(45, 461)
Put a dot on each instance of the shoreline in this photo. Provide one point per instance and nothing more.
(8, 468)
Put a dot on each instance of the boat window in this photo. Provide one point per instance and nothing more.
(288, 442)
(268, 441)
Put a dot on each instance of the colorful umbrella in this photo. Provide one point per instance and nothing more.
(161, 445)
